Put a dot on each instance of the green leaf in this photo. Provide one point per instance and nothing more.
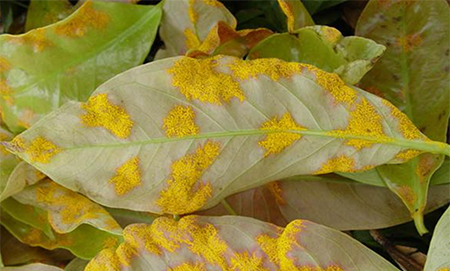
(170, 148)
(296, 13)
(413, 75)
(44, 12)
(33, 267)
(49, 66)
(186, 24)
(438, 258)
(324, 47)
(84, 241)
(236, 243)
(441, 175)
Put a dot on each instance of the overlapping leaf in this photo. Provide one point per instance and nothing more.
(195, 131)
(324, 47)
(413, 75)
(236, 243)
(438, 258)
(33, 267)
(46, 67)
(296, 14)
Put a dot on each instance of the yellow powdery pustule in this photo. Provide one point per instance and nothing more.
(106, 260)
(185, 192)
(188, 267)
(6, 92)
(41, 150)
(128, 176)
(193, 15)
(191, 39)
(287, 10)
(84, 18)
(70, 207)
(277, 192)
(406, 127)
(100, 112)
(338, 164)
(277, 248)
(180, 122)
(271, 67)
(198, 79)
(277, 141)
(36, 38)
(363, 121)
(244, 261)
(407, 155)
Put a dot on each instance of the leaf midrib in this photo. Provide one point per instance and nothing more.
(427, 146)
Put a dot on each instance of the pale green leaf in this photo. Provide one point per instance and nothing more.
(22, 176)
(76, 265)
(413, 75)
(236, 243)
(253, 122)
(8, 161)
(296, 13)
(44, 12)
(438, 258)
(186, 24)
(48, 66)
(324, 47)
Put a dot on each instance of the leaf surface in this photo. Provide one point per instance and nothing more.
(438, 258)
(170, 148)
(296, 13)
(43, 13)
(324, 47)
(236, 243)
(46, 67)
(33, 267)
(413, 75)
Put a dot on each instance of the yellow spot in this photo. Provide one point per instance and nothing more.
(6, 93)
(86, 17)
(331, 34)
(100, 112)
(407, 155)
(72, 208)
(42, 150)
(213, 3)
(189, 267)
(363, 121)
(110, 242)
(193, 15)
(185, 193)
(197, 79)
(444, 269)
(35, 237)
(244, 261)
(338, 164)
(191, 39)
(277, 141)
(407, 194)
(180, 122)
(106, 260)
(4, 65)
(277, 192)
(271, 67)
(332, 83)
(36, 38)
(211, 41)
(287, 10)
(3, 137)
(127, 177)
(406, 127)
(277, 248)
(425, 165)
(17, 145)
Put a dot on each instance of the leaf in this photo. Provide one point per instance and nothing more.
(33, 267)
(8, 161)
(252, 123)
(42, 13)
(296, 13)
(85, 241)
(413, 76)
(187, 23)
(76, 265)
(438, 258)
(49, 66)
(22, 176)
(324, 47)
(441, 175)
(236, 243)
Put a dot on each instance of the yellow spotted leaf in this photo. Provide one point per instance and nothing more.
(236, 243)
(195, 131)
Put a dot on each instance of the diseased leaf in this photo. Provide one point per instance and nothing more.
(438, 258)
(22, 176)
(236, 243)
(48, 66)
(188, 23)
(8, 161)
(296, 13)
(413, 75)
(33, 267)
(44, 12)
(170, 148)
(84, 241)
(324, 47)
